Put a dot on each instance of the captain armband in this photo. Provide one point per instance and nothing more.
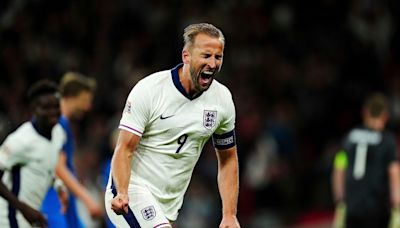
(224, 141)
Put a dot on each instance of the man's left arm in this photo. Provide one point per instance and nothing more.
(228, 184)
(394, 178)
(394, 184)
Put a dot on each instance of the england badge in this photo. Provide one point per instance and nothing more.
(209, 119)
(148, 213)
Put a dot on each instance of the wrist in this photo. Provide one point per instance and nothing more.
(59, 185)
(229, 214)
(339, 201)
(122, 193)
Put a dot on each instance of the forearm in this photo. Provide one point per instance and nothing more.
(73, 184)
(228, 184)
(338, 182)
(9, 196)
(394, 175)
(121, 169)
(32, 215)
(121, 161)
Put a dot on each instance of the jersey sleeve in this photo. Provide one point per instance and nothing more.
(346, 143)
(12, 152)
(224, 136)
(340, 162)
(228, 119)
(392, 153)
(136, 112)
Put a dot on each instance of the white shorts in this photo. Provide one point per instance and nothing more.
(144, 211)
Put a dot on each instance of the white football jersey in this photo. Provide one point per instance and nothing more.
(28, 160)
(174, 128)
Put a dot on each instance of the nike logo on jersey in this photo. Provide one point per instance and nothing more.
(165, 117)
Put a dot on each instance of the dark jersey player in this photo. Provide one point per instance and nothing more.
(366, 171)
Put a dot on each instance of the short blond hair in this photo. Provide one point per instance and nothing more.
(73, 83)
(191, 31)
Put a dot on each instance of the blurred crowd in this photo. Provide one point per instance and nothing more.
(298, 72)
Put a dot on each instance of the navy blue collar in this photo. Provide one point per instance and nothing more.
(34, 124)
(178, 85)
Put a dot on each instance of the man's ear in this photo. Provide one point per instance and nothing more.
(185, 56)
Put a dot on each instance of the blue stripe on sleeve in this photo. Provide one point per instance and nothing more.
(16, 181)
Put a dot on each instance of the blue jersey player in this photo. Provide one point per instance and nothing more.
(76, 99)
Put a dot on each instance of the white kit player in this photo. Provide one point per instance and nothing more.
(168, 117)
(28, 157)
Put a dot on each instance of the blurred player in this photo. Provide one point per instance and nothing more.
(366, 171)
(168, 118)
(76, 99)
(28, 158)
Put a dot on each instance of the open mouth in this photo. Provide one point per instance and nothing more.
(206, 77)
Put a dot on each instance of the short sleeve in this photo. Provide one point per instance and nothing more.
(224, 135)
(228, 117)
(341, 161)
(391, 154)
(12, 153)
(346, 144)
(136, 112)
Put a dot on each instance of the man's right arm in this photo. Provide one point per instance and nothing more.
(338, 188)
(394, 184)
(75, 187)
(338, 176)
(394, 180)
(33, 216)
(12, 153)
(121, 169)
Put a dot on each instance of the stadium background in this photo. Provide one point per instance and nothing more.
(298, 71)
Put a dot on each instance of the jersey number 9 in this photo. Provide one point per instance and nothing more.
(181, 140)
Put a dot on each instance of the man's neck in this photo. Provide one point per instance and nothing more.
(186, 81)
(42, 130)
(65, 109)
(374, 124)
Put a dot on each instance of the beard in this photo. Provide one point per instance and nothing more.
(201, 80)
